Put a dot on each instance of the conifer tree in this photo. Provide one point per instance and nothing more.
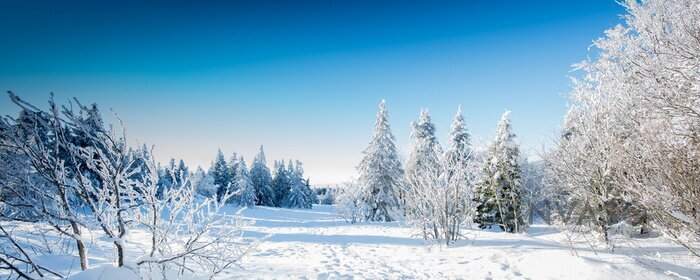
(219, 171)
(297, 196)
(380, 172)
(245, 192)
(498, 195)
(262, 180)
(424, 161)
(280, 183)
(233, 167)
(182, 172)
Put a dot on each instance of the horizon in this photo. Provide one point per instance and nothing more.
(302, 79)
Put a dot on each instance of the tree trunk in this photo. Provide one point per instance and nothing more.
(82, 250)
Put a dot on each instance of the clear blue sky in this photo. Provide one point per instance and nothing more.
(301, 77)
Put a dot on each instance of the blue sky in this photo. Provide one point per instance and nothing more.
(302, 78)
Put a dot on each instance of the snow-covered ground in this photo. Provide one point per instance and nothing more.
(316, 244)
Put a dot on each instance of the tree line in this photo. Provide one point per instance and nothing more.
(439, 191)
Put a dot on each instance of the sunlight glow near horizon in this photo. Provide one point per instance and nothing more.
(303, 79)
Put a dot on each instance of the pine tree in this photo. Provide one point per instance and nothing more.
(297, 196)
(182, 173)
(233, 167)
(458, 144)
(458, 160)
(280, 183)
(310, 193)
(424, 161)
(219, 171)
(262, 180)
(498, 194)
(245, 192)
(380, 172)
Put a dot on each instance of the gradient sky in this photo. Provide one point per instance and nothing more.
(303, 78)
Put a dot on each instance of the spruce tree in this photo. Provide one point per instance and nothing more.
(245, 192)
(233, 167)
(380, 172)
(458, 158)
(262, 180)
(498, 195)
(280, 183)
(182, 172)
(424, 161)
(219, 171)
(297, 196)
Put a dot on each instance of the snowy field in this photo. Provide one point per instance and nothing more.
(316, 244)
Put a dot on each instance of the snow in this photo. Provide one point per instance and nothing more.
(318, 244)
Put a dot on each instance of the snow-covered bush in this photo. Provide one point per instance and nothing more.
(351, 202)
(188, 233)
(203, 183)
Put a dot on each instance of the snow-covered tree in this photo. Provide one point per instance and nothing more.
(498, 193)
(437, 204)
(114, 187)
(629, 146)
(245, 191)
(203, 183)
(381, 173)
(425, 155)
(424, 175)
(262, 180)
(310, 193)
(233, 167)
(455, 209)
(41, 139)
(280, 183)
(182, 169)
(220, 172)
(297, 196)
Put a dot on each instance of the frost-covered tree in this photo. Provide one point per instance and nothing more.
(41, 139)
(220, 172)
(380, 172)
(310, 193)
(425, 155)
(424, 175)
(438, 202)
(262, 180)
(498, 193)
(245, 191)
(114, 190)
(280, 183)
(233, 167)
(629, 147)
(459, 176)
(182, 172)
(203, 183)
(297, 196)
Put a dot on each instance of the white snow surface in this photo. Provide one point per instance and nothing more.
(317, 244)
